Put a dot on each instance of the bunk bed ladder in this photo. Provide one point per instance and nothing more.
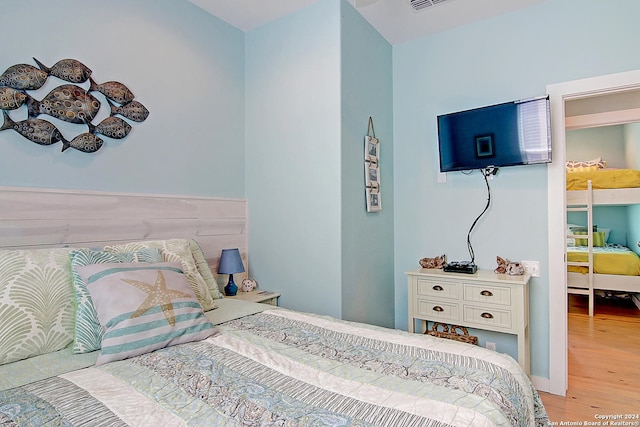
(588, 208)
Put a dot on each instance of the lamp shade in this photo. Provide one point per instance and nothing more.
(230, 262)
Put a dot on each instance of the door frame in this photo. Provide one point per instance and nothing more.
(556, 200)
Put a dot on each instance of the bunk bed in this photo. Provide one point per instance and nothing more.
(592, 263)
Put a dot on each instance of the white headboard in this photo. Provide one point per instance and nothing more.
(35, 218)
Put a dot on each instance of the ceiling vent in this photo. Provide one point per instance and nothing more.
(423, 4)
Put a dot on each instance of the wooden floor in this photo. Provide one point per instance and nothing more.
(604, 362)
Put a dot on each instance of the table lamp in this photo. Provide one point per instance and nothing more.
(230, 262)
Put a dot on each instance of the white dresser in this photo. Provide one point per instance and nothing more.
(484, 300)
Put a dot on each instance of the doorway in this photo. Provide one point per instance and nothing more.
(596, 88)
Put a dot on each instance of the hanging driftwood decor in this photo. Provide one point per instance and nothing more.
(372, 169)
(69, 102)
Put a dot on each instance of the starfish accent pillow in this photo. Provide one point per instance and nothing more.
(175, 250)
(143, 307)
(88, 331)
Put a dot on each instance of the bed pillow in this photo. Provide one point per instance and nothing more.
(36, 302)
(572, 228)
(175, 250)
(143, 307)
(578, 166)
(598, 239)
(205, 270)
(88, 332)
(583, 169)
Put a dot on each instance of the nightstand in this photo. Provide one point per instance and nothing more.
(257, 295)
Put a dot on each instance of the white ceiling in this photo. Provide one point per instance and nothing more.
(396, 20)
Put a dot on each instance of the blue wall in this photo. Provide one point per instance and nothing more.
(310, 94)
(512, 56)
(185, 66)
(293, 157)
(367, 238)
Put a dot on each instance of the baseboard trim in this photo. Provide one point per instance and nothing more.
(541, 384)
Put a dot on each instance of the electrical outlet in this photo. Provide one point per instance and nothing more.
(490, 345)
(531, 267)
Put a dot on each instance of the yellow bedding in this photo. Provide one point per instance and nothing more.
(606, 260)
(603, 179)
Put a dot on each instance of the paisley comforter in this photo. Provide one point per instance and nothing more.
(283, 368)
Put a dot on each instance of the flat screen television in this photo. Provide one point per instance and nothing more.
(508, 134)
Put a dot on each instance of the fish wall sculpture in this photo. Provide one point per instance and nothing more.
(36, 130)
(69, 102)
(113, 127)
(69, 70)
(23, 77)
(113, 90)
(11, 99)
(85, 142)
(131, 110)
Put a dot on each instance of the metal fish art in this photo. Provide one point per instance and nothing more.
(131, 110)
(68, 102)
(113, 90)
(11, 99)
(23, 77)
(113, 127)
(36, 130)
(85, 142)
(70, 70)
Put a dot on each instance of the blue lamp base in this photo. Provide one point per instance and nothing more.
(231, 289)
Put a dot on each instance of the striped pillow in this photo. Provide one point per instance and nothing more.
(143, 307)
(174, 250)
(88, 332)
(598, 239)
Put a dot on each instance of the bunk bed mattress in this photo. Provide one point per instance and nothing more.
(603, 179)
(610, 259)
(285, 368)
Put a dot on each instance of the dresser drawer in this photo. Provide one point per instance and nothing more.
(438, 310)
(438, 289)
(487, 294)
(487, 316)
(484, 300)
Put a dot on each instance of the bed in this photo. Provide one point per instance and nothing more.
(593, 263)
(609, 259)
(238, 363)
(603, 179)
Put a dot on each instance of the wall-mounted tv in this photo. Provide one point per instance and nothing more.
(508, 134)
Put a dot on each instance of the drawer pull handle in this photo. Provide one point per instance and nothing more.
(438, 308)
(486, 293)
(438, 288)
(487, 315)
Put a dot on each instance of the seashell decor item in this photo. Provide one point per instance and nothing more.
(69, 102)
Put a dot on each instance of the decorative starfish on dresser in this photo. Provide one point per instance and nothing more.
(157, 295)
